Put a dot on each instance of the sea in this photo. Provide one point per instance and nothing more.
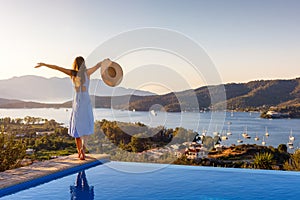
(209, 123)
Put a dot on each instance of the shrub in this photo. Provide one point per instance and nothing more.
(11, 152)
(263, 161)
(294, 162)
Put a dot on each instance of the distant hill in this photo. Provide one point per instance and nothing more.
(257, 95)
(252, 95)
(264, 93)
(8, 101)
(12, 103)
(37, 88)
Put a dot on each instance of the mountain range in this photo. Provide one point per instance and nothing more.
(252, 95)
(37, 88)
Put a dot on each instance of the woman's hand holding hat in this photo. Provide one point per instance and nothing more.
(106, 62)
(111, 72)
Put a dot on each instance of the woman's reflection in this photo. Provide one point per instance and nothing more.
(81, 190)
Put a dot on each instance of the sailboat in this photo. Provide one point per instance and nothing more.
(245, 134)
(291, 137)
(229, 132)
(216, 133)
(239, 140)
(267, 133)
(224, 136)
(153, 113)
(263, 142)
(204, 132)
(256, 138)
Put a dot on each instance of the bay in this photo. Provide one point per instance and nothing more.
(237, 122)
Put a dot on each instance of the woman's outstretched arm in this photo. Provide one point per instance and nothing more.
(91, 70)
(61, 69)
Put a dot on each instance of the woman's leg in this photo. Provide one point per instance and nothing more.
(78, 142)
(83, 139)
(82, 148)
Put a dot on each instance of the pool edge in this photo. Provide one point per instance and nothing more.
(10, 189)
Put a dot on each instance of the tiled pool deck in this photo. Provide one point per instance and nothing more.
(38, 170)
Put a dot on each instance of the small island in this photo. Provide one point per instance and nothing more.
(281, 112)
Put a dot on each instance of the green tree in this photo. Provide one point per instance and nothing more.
(27, 119)
(134, 144)
(282, 148)
(11, 152)
(18, 121)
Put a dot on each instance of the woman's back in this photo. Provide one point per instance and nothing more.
(81, 84)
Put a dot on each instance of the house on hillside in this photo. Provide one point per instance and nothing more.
(195, 150)
(274, 114)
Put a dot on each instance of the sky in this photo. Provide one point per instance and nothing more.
(246, 40)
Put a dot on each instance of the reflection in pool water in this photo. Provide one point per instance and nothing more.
(81, 190)
(169, 183)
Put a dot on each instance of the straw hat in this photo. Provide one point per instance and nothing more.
(111, 73)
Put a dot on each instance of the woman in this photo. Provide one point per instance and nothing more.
(82, 118)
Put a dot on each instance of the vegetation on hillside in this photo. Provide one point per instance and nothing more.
(44, 138)
(243, 156)
(12, 150)
(130, 142)
(136, 137)
(294, 162)
(292, 111)
(259, 95)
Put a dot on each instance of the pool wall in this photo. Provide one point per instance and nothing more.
(49, 177)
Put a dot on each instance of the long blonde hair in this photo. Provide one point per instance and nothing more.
(79, 69)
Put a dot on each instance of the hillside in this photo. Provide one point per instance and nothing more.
(12, 103)
(240, 96)
(256, 95)
(266, 93)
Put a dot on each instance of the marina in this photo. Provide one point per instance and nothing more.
(232, 124)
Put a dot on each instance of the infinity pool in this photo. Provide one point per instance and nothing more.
(155, 181)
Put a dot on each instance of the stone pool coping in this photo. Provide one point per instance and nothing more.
(40, 172)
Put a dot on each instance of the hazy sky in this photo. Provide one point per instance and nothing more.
(247, 40)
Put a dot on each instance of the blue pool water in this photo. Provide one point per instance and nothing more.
(171, 182)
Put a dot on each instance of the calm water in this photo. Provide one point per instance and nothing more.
(279, 129)
(171, 182)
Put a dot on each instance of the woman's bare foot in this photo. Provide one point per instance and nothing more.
(82, 154)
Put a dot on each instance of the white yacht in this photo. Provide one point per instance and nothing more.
(153, 113)
(291, 137)
(228, 131)
(267, 133)
(224, 137)
(245, 134)
(263, 142)
(239, 140)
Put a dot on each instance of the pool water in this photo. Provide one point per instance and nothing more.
(170, 182)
